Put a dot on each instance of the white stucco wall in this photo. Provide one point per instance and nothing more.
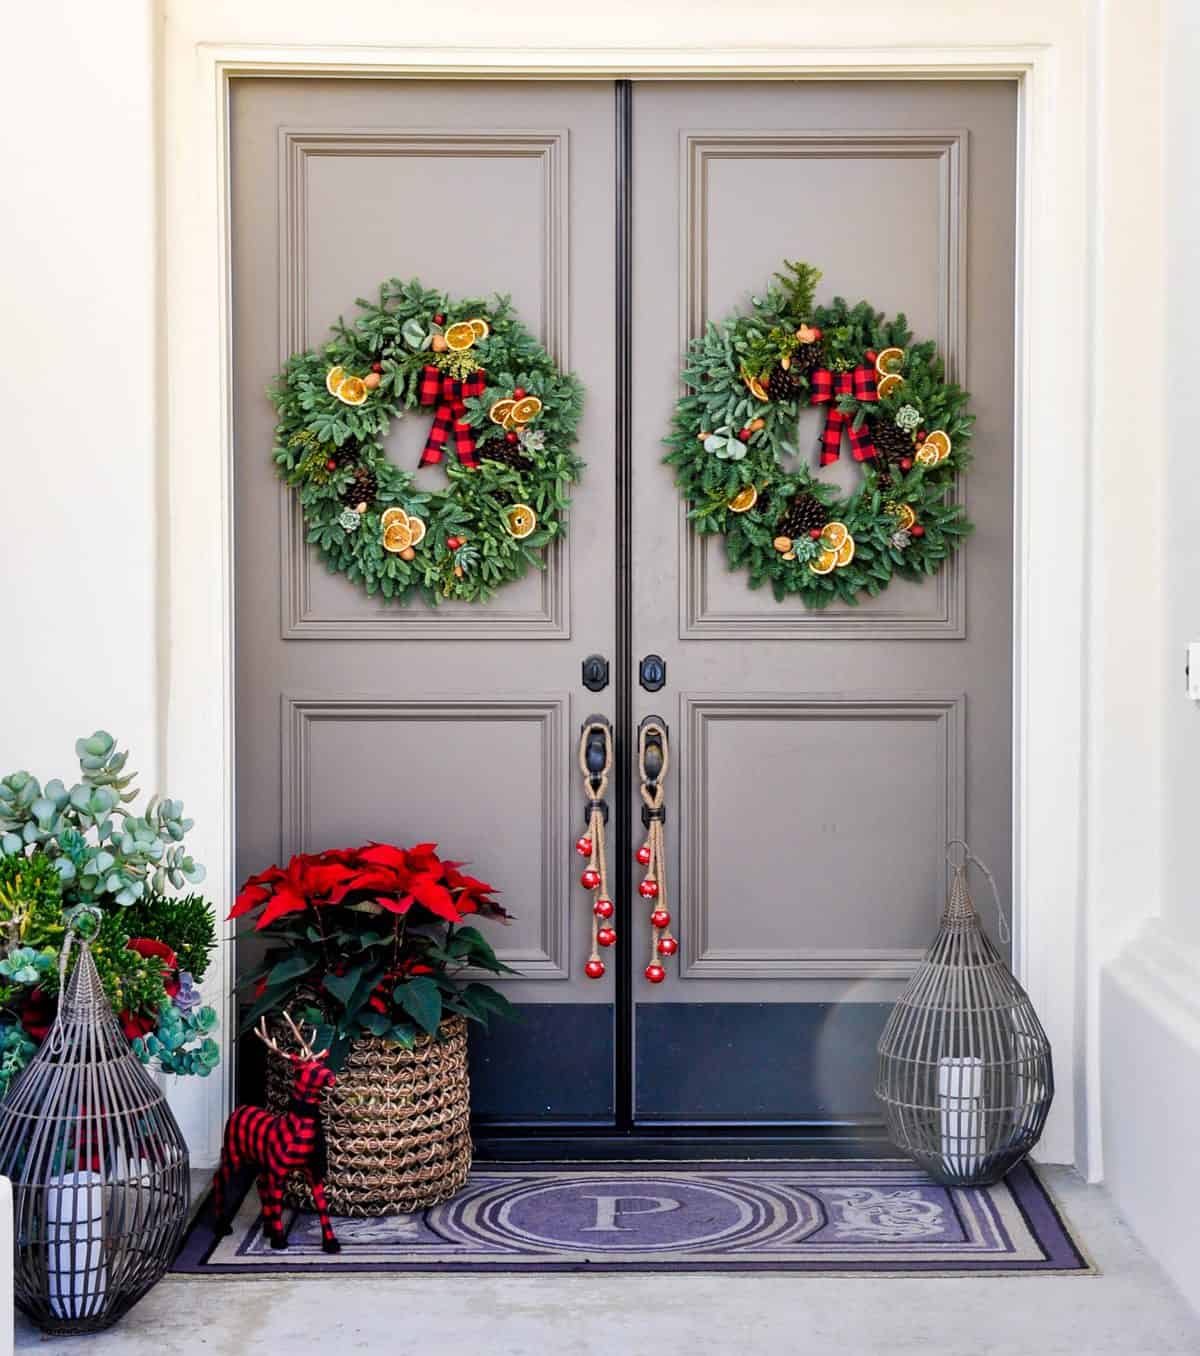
(1149, 1091)
(78, 355)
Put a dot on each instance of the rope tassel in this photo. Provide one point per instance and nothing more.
(593, 845)
(652, 854)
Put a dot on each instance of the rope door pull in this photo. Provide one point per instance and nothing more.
(595, 762)
(653, 758)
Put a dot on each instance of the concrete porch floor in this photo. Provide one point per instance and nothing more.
(1130, 1309)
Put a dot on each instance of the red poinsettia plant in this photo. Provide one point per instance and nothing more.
(371, 941)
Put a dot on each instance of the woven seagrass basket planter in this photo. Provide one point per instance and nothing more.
(397, 1125)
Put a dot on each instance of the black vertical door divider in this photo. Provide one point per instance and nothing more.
(625, 746)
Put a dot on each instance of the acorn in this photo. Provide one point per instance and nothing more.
(439, 344)
(755, 424)
(782, 544)
(371, 380)
(408, 554)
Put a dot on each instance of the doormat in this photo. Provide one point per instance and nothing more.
(827, 1217)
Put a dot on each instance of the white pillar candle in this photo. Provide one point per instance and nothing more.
(960, 1093)
(75, 1232)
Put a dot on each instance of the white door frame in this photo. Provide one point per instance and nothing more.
(1051, 347)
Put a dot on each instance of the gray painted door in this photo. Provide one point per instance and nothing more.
(824, 758)
(820, 761)
(359, 721)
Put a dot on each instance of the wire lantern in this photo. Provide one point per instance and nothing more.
(98, 1165)
(965, 1073)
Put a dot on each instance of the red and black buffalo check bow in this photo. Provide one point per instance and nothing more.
(826, 387)
(449, 395)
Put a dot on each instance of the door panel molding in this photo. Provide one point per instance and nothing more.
(699, 556)
(301, 620)
(699, 959)
(548, 713)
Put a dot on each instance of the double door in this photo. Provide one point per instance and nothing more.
(819, 760)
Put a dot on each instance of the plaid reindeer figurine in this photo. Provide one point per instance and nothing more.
(278, 1145)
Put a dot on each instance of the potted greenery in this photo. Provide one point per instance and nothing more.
(61, 849)
(370, 946)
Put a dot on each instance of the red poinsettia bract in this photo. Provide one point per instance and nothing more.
(395, 879)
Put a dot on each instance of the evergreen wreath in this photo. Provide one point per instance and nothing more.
(499, 402)
(731, 444)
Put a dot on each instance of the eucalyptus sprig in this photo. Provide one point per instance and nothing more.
(101, 850)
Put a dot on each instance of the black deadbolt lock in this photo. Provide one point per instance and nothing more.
(595, 673)
(652, 672)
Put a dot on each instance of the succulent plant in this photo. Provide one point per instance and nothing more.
(100, 849)
(181, 1044)
(16, 1050)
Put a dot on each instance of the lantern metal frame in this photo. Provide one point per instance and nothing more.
(99, 1167)
(965, 1073)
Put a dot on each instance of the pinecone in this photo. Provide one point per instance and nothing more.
(499, 451)
(783, 383)
(891, 442)
(361, 490)
(347, 454)
(802, 514)
(807, 357)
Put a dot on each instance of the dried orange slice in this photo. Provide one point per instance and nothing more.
(334, 378)
(352, 391)
(904, 516)
(397, 538)
(824, 563)
(845, 553)
(521, 520)
(833, 535)
(782, 544)
(755, 387)
(527, 408)
(500, 411)
(416, 527)
(889, 360)
(460, 336)
(892, 382)
(393, 515)
(744, 500)
(940, 439)
(480, 327)
(927, 456)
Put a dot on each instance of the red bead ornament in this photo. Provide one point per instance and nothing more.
(744, 434)
(583, 846)
(439, 319)
(667, 946)
(518, 393)
(648, 889)
(603, 908)
(906, 463)
(376, 367)
(815, 533)
(454, 543)
(655, 973)
(331, 465)
(594, 969)
(606, 936)
(870, 355)
(590, 878)
(660, 918)
(917, 531)
(511, 438)
(643, 854)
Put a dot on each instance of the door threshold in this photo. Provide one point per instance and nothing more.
(516, 1145)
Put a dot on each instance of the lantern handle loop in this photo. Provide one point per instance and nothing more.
(74, 921)
(1004, 927)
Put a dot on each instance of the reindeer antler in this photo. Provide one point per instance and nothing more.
(306, 1051)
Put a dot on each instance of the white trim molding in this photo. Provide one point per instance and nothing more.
(1051, 352)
